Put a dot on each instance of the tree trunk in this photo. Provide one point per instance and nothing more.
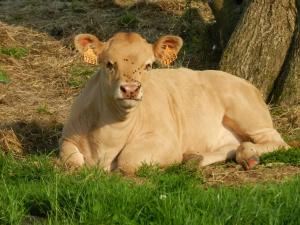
(257, 49)
(227, 14)
(287, 86)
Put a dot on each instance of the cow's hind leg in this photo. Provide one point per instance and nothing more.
(70, 155)
(249, 117)
(221, 154)
(266, 141)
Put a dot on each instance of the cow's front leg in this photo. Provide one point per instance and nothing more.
(151, 151)
(88, 154)
(107, 157)
(70, 155)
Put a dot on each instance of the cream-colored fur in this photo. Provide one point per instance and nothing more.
(178, 114)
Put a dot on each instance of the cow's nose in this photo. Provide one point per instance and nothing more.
(130, 90)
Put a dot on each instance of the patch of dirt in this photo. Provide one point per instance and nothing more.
(40, 78)
(63, 19)
(287, 122)
(231, 174)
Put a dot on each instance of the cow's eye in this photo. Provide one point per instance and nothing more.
(148, 66)
(109, 65)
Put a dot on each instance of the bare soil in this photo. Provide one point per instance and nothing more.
(34, 105)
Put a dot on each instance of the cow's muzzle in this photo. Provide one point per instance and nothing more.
(130, 90)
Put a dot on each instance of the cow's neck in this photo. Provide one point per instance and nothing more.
(112, 113)
(119, 114)
(117, 127)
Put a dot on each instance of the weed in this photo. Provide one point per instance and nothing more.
(80, 75)
(43, 109)
(128, 19)
(15, 52)
(4, 77)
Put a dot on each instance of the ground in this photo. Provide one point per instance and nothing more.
(40, 73)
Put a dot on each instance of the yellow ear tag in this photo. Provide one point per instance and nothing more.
(169, 55)
(90, 57)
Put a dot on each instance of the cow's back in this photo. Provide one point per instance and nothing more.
(194, 102)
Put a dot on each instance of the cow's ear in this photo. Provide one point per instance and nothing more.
(89, 46)
(166, 49)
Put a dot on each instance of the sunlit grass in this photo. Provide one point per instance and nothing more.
(15, 52)
(43, 109)
(33, 189)
(290, 156)
(79, 75)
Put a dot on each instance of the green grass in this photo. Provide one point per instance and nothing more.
(290, 156)
(43, 109)
(79, 75)
(4, 77)
(15, 52)
(32, 189)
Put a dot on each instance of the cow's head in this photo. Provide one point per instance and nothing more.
(126, 59)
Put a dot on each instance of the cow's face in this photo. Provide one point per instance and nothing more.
(127, 59)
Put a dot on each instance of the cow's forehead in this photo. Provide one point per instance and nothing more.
(130, 37)
(129, 47)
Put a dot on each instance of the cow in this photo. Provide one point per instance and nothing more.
(129, 114)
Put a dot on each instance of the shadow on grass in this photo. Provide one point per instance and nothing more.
(34, 137)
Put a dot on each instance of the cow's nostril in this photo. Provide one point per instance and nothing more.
(123, 89)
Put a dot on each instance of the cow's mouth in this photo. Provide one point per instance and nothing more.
(129, 99)
(128, 103)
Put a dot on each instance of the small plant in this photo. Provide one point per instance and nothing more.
(79, 75)
(15, 52)
(128, 19)
(43, 109)
(4, 77)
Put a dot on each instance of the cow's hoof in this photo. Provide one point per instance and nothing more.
(250, 163)
(246, 150)
(192, 160)
(192, 156)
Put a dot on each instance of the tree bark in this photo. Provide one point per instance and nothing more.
(287, 86)
(257, 49)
